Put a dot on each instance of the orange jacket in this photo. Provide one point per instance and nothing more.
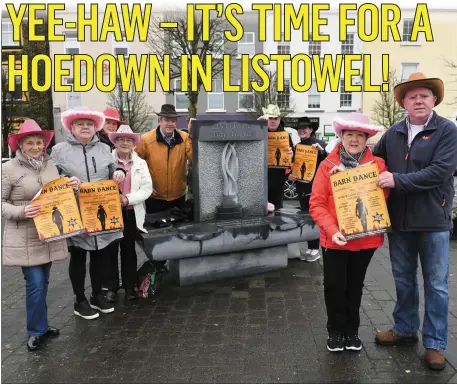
(322, 205)
(167, 164)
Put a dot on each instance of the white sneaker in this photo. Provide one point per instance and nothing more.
(305, 255)
(313, 256)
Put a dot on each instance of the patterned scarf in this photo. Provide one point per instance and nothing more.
(36, 164)
(350, 161)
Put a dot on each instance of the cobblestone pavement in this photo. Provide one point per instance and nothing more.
(264, 328)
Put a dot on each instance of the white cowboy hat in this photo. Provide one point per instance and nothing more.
(124, 131)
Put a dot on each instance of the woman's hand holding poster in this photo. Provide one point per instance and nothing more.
(59, 215)
(305, 163)
(360, 204)
(278, 150)
(100, 206)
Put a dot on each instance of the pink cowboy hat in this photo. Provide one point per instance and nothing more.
(356, 122)
(29, 127)
(82, 113)
(113, 114)
(124, 131)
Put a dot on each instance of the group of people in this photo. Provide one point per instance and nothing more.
(416, 159)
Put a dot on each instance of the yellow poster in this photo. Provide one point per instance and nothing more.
(305, 163)
(100, 207)
(59, 215)
(278, 150)
(360, 205)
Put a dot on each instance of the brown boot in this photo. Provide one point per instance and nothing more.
(390, 338)
(435, 359)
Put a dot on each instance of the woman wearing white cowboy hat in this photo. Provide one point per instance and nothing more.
(345, 261)
(85, 157)
(135, 189)
(22, 179)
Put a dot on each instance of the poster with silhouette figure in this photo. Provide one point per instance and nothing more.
(100, 206)
(360, 204)
(278, 150)
(59, 216)
(304, 167)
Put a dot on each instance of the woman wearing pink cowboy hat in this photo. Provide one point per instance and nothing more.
(83, 155)
(112, 123)
(22, 179)
(345, 261)
(135, 189)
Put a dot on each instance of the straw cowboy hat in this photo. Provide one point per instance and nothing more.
(271, 110)
(124, 131)
(167, 110)
(82, 113)
(419, 80)
(113, 114)
(29, 127)
(355, 122)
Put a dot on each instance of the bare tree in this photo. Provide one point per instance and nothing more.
(174, 42)
(386, 110)
(270, 96)
(453, 67)
(132, 106)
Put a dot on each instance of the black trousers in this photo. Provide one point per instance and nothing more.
(129, 258)
(97, 270)
(344, 273)
(304, 198)
(157, 205)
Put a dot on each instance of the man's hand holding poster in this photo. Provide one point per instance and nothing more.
(305, 163)
(100, 206)
(59, 215)
(278, 150)
(360, 205)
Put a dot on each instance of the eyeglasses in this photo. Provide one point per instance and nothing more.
(125, 140)
(82, 124)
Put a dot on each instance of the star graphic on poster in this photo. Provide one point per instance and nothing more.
(72, 222)
(378, 217)
(286, 161)
(114, 220)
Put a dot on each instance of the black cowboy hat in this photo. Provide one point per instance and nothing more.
(168, 110)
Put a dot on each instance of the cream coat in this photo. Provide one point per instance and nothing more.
(21, 244)
(141, 188)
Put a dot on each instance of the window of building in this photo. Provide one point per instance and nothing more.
(73, 98)
(71, 43)
(181, 99)
(314, 97)
(283, 46)
(216, 97)
(345, 96)
(284, 96)
(120, 50)
(246, 45)
(407, 29)
(314, 47)
(218, 45)
(407, 69)
(245, 99)
(347, 46)
(7, 34)
(15, 94)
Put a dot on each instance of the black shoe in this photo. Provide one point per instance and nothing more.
(353, 342)
(130, 294)
(52, 332)
(101, 304)
(111, 296)
(33, 343)
(335, 342)
(84, 310)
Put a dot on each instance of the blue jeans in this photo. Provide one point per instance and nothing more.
(36, 288)
(433, 250)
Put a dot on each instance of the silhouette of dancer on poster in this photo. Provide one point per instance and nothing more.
(303, 170)
(101, 215)
(57, 219)
(361, 212)
(277, 156)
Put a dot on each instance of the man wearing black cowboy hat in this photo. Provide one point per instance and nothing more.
(166, 150)
(307, 132)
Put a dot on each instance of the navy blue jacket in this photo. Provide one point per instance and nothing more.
(424, 184)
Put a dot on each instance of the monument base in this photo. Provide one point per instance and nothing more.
(234, 264)
(229, 213)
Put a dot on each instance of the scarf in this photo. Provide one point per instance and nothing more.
(36, 164)
(351, 161)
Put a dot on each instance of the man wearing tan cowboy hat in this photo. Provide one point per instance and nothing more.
(421, 155)
(166, 151)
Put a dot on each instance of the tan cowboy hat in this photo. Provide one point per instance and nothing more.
(419, 80)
